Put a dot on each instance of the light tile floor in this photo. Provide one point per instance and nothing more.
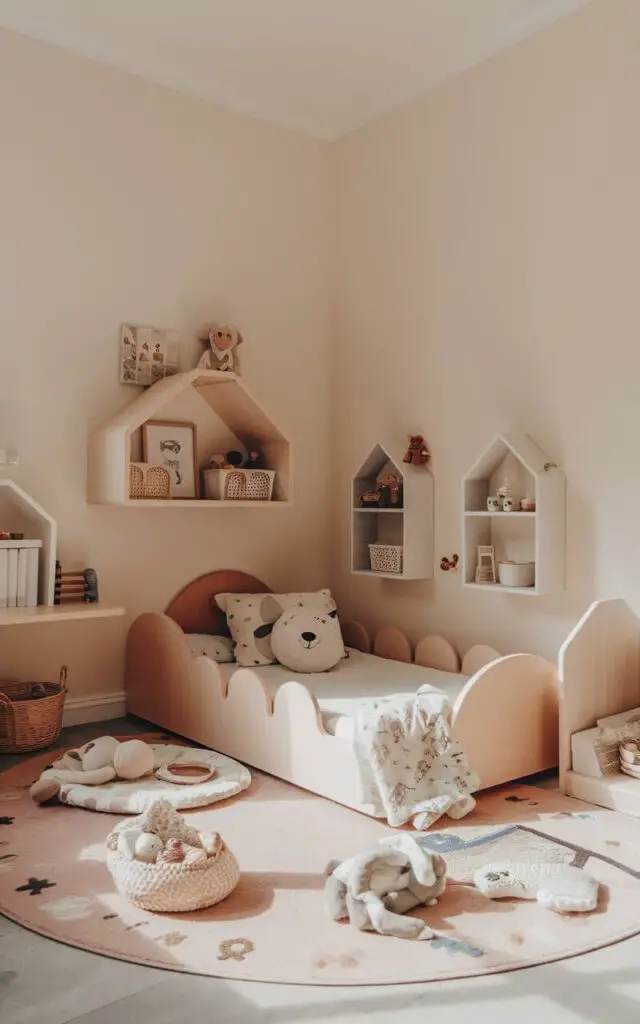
(43, 982)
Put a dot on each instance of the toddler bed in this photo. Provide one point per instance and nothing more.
(505, 709)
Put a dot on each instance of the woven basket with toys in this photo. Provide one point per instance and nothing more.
(161, 864)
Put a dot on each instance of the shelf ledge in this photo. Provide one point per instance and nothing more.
(501, 587)
(58, 613)
(504, 515)
(198, 503)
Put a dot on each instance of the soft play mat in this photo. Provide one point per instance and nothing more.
(121, 797)
(274, 926)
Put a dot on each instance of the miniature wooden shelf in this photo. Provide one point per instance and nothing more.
(226, 416)
(533, 536)
(410, 526)
(58, 613)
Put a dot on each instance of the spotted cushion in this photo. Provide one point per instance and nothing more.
(250, 618)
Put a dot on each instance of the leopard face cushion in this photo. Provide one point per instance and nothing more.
(251, 618)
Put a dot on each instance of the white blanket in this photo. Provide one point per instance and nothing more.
(411, 766)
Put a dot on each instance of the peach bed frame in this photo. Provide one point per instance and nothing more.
(506, 717)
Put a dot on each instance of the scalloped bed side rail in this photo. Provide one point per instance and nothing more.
(431, 651)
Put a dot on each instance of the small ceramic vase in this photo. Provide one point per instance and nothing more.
(507, 505)
(493, 504)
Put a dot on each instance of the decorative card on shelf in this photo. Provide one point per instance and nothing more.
(147, 354)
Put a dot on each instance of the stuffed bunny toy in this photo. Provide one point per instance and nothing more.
(94, 764)
(376, 888)
(221, 353)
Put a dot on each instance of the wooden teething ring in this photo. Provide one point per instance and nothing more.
(171, 772)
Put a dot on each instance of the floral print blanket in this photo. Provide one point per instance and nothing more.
(412, 768)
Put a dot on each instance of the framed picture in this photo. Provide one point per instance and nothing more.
(147, 354)
(172, 445)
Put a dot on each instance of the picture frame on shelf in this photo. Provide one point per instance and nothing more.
(147, 354)
(173, 445)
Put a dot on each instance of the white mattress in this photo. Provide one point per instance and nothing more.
(355, 681)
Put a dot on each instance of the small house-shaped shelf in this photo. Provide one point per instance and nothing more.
(19, 513)
(534, 536)
(225, 416)
(409, 527)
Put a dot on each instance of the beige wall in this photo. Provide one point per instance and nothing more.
(487, 278)
(124, 201)
(483, 259)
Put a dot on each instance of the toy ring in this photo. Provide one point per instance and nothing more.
(186, 773)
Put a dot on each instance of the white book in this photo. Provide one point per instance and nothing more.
(21, 589)
(12, 578)
(32, 577)
(4, 566)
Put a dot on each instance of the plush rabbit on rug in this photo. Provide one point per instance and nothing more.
(375, 889)
(94, 764)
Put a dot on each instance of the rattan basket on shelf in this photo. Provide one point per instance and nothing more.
(31, 714)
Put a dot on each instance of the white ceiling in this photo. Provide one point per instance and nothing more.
(323, 67)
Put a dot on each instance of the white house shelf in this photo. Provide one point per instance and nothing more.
(20, 512)
(531, 536)
(225, 415)
(409, 527)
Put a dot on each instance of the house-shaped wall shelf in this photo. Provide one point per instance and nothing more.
(21, 514)
(225, 415)
(409, 527)
(535, 536)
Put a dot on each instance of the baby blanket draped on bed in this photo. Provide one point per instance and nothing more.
(411, 766)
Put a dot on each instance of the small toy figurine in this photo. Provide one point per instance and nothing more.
(417, 452)
(233, 460)
(449, 563)
(389, 487)
(222, 342)
(256, 460)
(504, 493)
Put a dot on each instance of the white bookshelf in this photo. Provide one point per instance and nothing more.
(532, 536)
(226, 416)
(19, 512)
(410, 526)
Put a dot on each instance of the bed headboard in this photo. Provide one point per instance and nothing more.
(195, 609)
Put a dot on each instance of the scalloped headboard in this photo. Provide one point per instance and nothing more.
(195, 609)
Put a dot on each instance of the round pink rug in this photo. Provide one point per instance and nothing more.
(274, 926)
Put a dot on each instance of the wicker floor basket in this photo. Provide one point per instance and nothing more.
(31, 714)
(174, 888)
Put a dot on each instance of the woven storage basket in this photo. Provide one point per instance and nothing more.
(148, 481)
(386, 557)
(28, 721)
(239, 484)
(173, 888)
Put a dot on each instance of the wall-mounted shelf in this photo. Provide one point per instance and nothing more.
(226, 416)
(517, 536)
(21, 513)
(58, 613)
(410, 527)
